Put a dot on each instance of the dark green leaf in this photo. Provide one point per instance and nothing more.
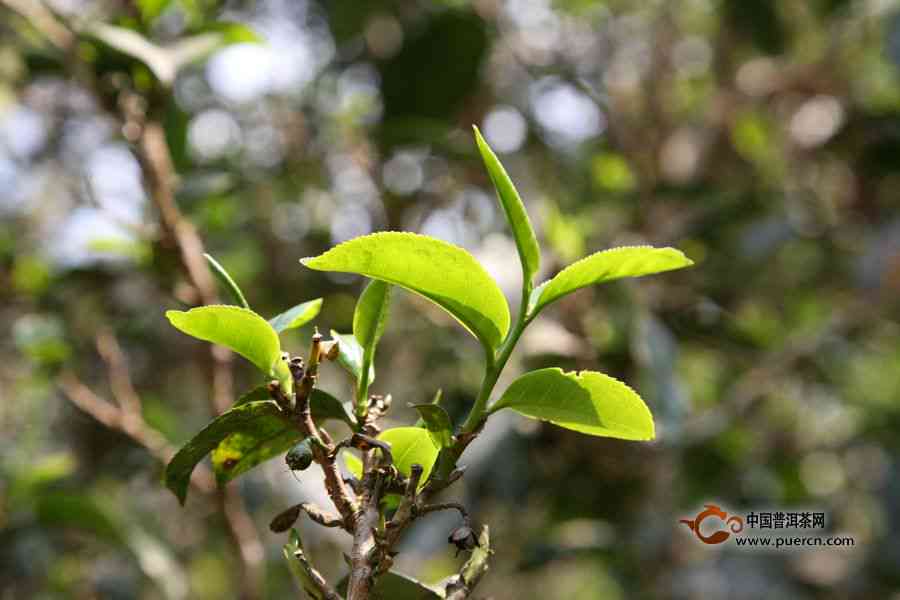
(272, 435)
(259, 393)
(588, 402)
(523, 233)
(437, 422)
(241, 451)
(441, 272)
(245, 418)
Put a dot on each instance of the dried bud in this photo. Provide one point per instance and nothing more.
(296, 367)
(463, 538)
(285, 520)
(331, 350)
(300, 456)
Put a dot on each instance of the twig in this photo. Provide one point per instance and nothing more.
(365, 545)
(131, 424)
(473, 570)
(323, 450)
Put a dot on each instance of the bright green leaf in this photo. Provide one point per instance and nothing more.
(296, 316)
(588, 402)
(350, 355)
(437, 422)
(370, 317)
(523, 233)
(237, 328)
(353, 464)
(245, 418)
(226, 280)
(409, 446)
(441, 272)
(607, 265)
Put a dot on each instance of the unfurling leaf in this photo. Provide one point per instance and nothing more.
(607, 265)
(437, 422)
(523, 233)
(350, 355)
(226, 280)
(296, 316)
(588, 402)
(443, 273)
(239, 329)
(248, 418)
(370, 318)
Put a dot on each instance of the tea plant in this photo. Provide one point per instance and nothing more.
(401, 469)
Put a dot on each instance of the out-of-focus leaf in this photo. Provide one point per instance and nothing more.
(398, 586)
(437, 422)
(245, 418)
(443, 273)
(296, 316)
(150, 9)
(587, 402)
(40, 473)
(450, 42)
(523, 233)
(226, 280)
(607, 265)
(135, 250)
(239, 329)
(350, 355)
(77, 511)
(164, 62)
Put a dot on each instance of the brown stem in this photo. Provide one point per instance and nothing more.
(365, 544)
(322, 448)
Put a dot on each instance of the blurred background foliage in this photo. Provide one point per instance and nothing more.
(762, 138)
